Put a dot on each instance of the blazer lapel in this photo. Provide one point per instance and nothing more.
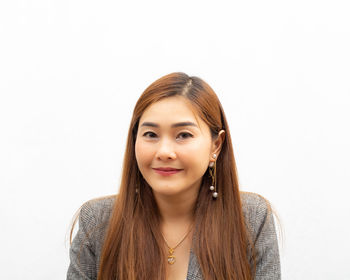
(193, 272)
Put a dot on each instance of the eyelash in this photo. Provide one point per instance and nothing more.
(188, 135)
(151, 134)
(146, 134)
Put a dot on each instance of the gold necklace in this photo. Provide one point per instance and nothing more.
(171, 257)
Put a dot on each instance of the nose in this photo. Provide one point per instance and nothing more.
(166, 150)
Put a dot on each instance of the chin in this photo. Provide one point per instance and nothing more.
(167, 190)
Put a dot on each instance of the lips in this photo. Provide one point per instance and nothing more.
(166, 168)
(165, 171)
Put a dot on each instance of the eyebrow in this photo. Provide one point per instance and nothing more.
(180, 124)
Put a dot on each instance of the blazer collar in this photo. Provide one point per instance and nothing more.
(193, 271)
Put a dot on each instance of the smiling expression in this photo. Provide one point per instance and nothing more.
(173, 147)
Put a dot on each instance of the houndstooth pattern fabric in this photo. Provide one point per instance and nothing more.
(94, 215)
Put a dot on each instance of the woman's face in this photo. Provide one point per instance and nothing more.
(173, 147)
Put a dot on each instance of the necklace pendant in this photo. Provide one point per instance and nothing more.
(171, 259)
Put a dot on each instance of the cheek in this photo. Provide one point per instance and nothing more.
(196, 156)
(143, 154)
(138, 153)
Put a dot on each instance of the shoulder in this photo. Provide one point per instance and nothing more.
(252, 202)
(261, 226)
(87, 244)
(97, 210)
(94, 217)
(256, 211)
(100, 205)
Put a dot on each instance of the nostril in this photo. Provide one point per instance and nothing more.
(166, 155)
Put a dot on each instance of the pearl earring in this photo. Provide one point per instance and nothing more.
(212, 172)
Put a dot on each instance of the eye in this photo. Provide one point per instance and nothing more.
(149, 134)
(184, 135)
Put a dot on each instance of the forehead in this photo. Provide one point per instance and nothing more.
(172, 110)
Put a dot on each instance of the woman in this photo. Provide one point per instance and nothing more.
(179, 213)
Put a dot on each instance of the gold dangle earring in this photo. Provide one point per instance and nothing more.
(212, 173)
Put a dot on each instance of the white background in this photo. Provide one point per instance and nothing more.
(71, 72)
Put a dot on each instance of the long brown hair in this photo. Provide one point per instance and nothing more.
(133, 245)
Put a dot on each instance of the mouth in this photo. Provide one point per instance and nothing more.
(166, 171)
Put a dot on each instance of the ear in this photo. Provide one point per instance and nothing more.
(217, 143)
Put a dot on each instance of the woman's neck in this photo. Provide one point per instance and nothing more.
(176, 209)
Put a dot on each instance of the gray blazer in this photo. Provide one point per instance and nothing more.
(87, 244)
